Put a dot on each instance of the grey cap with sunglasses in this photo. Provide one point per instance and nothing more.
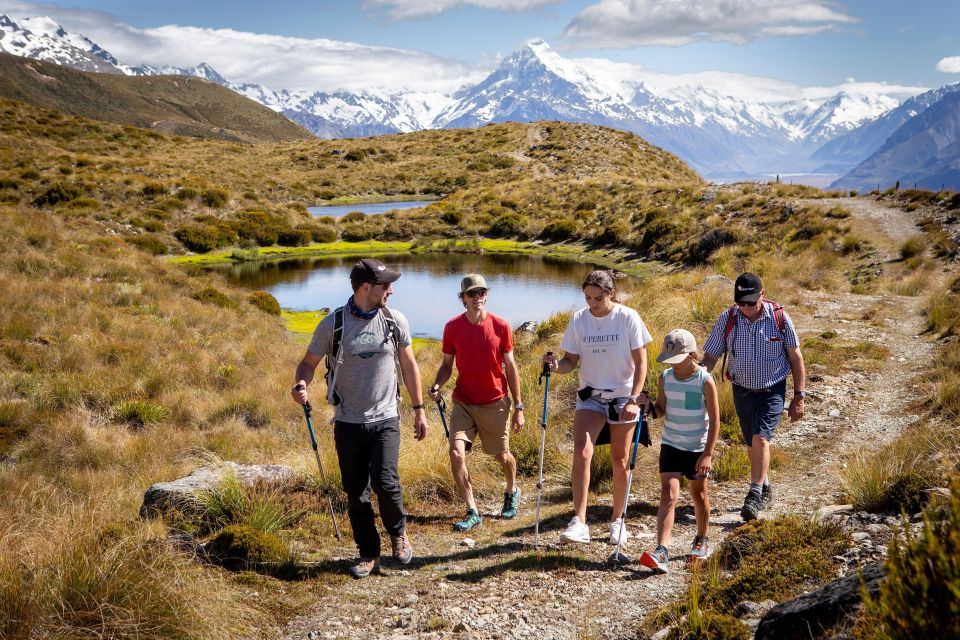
(473, 282)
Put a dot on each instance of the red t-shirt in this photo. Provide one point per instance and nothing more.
(478, 353)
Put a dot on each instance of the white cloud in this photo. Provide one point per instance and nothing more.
(949, 65)
(401, 9)
(625, 24)
(271, 60)
(743, 87)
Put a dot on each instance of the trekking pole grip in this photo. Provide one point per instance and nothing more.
(545, 370)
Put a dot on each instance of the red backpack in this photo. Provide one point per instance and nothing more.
(732, 321)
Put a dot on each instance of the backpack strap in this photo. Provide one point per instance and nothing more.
(778, 316)
(335, 358)
(731, 323)
(394, 337)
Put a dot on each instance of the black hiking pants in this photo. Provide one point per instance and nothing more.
(368, 455)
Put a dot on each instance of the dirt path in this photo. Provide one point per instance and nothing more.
(502, 588)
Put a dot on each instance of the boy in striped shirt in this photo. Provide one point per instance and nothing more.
(691, 424)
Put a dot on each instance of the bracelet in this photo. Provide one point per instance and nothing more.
(297, 387)
(417, 406)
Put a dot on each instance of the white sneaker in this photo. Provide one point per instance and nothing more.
(618, 533)
(576, 531)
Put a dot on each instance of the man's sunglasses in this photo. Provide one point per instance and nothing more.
(476, 293)
(747, 304)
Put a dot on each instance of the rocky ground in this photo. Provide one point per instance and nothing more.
(497, 584)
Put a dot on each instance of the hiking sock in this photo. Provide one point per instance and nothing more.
(756, 487)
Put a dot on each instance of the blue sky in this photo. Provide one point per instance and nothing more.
(438, 44)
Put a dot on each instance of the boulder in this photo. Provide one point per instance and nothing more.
(833, 512)
(716, 280)
(813, 614)
(528, 327)
(182, 494)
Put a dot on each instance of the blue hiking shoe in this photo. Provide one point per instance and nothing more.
(511, 503)
(471, 520)
(700, 549)
(657, 560)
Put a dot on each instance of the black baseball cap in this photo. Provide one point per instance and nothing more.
(747, 288)
(372, 271)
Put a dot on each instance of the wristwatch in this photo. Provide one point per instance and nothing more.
(417, 406)
(800, 394)
(632, 399)
(519, 406)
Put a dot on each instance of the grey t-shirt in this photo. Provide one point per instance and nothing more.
(367, 380)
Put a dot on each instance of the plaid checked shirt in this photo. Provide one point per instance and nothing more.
(756, 351)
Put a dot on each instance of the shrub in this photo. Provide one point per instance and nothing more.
(294, 237)
(241, 547)
(919, 599)
(357, 233)
(507, 224)
(213, 295)
(214, 198)
(354, 216)
(775, 558)
(202, 238)
(911, 247)
(452, 217)
(265, 302)
(149, 243)
(560, 230)
(153, 189)
(324, 233)
(248, 411)
(614, 234)
(139, 413)
(186, 193)
(57, 193)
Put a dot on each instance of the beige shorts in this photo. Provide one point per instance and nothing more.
(490, 421)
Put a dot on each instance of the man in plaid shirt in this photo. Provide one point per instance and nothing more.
(762, 349)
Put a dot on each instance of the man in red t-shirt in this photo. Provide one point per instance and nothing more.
(481, 344)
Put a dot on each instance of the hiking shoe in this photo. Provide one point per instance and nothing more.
(576, 531)
(700, 549)
(618, 532)
(752, 506)
(657, 560)
(767, 495)
(364, 567)
(511, 503)
(471, 520)
(402, 549)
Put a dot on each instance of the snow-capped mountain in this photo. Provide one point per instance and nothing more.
(43, 39)
(847, 150)
(720, 135)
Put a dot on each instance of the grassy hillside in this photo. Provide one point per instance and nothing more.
(172, 104)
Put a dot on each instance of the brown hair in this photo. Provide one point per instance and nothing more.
(603, 279)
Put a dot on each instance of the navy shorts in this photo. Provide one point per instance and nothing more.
(673, 460)
(759, 410)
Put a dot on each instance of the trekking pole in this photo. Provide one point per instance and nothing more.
(543, 441)
(323, 478)
(633, 463)
(442, 408)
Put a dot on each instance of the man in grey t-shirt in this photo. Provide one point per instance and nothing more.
(364, 387)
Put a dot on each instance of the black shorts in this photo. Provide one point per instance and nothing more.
(673, 460)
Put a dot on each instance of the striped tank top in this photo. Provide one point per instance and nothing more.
(686, 422)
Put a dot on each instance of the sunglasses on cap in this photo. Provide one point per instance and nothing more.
(476, 293)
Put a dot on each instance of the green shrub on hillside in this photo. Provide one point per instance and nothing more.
(153, 189)
(508, 224)
(354, 216)
(149, 243)
(57, 193)
(324, 233)
(140, 413)
(213, 295)
(357, 233)
(298, 237)
(920, 597)
(202, 238)
(559, 230)
(242, 547)
(265, 302)
(214, 198)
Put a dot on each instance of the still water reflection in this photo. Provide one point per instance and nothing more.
(375, 208)
(521, 288)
